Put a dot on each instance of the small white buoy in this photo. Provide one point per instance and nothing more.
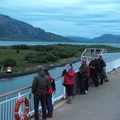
(9, 70)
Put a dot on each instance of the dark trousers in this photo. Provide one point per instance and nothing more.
(86, 83)
(94, 76)
(49, 104)
(83, 84)
(104, 74)
(69, 90)
(42, 99)
(101, 76)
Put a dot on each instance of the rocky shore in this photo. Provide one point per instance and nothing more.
(16, 74)
(30, 71)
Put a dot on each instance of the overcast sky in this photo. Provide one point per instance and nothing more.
(85, 18)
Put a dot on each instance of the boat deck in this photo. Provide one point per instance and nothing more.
(101, 103)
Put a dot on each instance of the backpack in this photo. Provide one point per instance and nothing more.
(53, 84)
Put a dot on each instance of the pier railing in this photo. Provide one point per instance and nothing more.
(9, 100)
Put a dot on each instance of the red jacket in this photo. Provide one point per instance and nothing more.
(69, 77)
(50, 90)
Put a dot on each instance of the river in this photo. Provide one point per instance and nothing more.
(10, 84)
(9, 43)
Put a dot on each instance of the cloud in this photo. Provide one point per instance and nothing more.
(87, 18)
(39, 3)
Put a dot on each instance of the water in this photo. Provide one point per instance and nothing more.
(10, 84)
(9, 43)
(111, 56)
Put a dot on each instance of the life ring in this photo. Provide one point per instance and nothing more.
(17, 106)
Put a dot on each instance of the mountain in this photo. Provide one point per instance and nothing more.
(79, 39)
(107, 38)
(11, 29)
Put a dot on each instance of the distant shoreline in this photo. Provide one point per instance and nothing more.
(27, 72)
(10, 43)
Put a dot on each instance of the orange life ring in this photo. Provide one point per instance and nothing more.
(17, 106)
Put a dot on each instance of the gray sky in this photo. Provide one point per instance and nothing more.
(85, 18)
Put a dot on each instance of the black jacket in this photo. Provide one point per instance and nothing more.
(101, 63)
(83, 70)
(40, 84)
(94, 64)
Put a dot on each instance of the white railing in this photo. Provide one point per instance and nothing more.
(112, 65)
(92, 52)
(8, 101)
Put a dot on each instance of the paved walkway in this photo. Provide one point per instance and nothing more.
(101, 103)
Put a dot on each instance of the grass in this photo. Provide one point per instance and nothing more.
(19, 57)
(22, 64)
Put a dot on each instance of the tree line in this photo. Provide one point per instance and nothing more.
(42, 54)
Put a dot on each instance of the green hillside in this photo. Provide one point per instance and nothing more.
(11, 29)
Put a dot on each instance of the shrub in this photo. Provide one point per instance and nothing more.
(51, 57)
(9, 62)
(1, 63)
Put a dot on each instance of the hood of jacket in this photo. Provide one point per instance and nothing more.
(41, 73)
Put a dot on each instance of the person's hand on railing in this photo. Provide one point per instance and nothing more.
(64, 72)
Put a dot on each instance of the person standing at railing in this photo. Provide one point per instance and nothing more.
(104, 70)
(40, 86)
(49, 96)
(69, 82)
(94, 71)
(100, 70)
(83, 70)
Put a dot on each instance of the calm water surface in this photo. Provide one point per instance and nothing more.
(10, 84)
(9, 43)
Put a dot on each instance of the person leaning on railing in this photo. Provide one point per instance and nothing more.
(69, 81)
(104, 70)
(83, 70)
